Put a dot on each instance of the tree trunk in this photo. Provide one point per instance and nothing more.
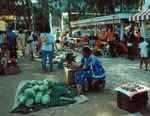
(28, 15)
(69, 14)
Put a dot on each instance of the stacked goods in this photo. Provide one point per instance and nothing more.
(11, 67)
(45, 93)
(11, 62)
(132, 87)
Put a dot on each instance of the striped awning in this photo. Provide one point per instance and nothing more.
(142, 15)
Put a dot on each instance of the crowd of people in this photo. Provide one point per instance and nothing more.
(28, 42)
(45, 42)
(109, 43)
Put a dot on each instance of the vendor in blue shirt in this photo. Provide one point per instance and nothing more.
(90, 70)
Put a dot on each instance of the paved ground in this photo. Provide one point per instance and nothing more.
(119, 71)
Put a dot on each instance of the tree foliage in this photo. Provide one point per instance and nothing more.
(77, 9)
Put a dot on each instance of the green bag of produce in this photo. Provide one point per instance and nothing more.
(29, 102)
(21, 99)
(30, 93)
(38, 97)
(46, 99)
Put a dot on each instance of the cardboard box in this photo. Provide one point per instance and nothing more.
(69, 76)
(134, 103)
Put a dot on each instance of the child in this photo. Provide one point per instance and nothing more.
(143, 46)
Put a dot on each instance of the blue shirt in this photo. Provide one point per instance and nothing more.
(96, 68)
(48, 46)
(11, 37)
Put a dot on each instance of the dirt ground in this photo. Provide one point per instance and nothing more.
(119, 71)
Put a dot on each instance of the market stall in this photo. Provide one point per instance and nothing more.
(143, 17)
(117, 20)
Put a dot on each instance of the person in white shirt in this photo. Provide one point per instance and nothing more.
(143, 46)
(48, 41)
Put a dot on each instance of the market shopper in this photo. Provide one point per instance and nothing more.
(48, 41)
(143, 46)
(130, 41)
(5, 41)
(21, 41)
(12, 43)
(110, 40)
(90, 71)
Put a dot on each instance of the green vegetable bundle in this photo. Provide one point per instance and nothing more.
(45, 92)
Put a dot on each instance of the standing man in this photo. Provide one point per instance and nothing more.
(12, 43)
(130, 40)
(110, 39)
(48, 41)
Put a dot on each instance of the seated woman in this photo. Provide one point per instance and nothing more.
(89, 72)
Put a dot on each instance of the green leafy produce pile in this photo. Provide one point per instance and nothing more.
(46, 93)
